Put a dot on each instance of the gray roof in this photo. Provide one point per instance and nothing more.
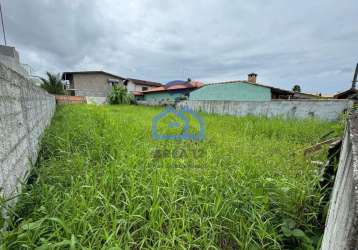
(65, 75)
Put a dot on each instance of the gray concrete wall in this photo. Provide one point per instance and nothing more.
(155, 103)
(341, 230)
(25, 111)
(321, 109)
(96, 100)
(10, 58)
(95, 84)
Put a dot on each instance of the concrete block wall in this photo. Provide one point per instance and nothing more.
(156, 103)
(341, 230)
(10, 58)
(321, 109)
(25, 111)
(96, 100)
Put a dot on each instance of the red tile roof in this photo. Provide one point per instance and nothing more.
(180, 86)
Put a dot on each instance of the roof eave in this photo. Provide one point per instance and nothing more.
(146, 83)
(90, 72)
(353, 90)
(278, 90)
(166, 90)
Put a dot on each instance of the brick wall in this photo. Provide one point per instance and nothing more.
(65, 99)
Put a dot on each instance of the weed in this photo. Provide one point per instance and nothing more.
(103, 183)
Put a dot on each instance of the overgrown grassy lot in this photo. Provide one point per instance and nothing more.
(102, 182)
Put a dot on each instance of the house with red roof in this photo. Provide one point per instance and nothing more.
(172, 91)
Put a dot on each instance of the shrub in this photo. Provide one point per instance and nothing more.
(181, 98)
(120, 95)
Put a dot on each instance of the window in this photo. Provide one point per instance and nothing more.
(144, 88)
(113, 82)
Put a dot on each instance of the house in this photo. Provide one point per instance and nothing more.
(99, 83)
(351, 93)
(172, 91)
(301, 95)
(247, 90)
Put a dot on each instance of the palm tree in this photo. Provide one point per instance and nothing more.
(120, 95)
(53, 84)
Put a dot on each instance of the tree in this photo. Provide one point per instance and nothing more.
(120, 95)
(296, 88)
(53, 84)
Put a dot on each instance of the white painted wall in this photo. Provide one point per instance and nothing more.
(341, 231)
(321, 109)
(96, 100)
(131, 86)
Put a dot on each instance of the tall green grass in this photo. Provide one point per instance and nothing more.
(101, 182)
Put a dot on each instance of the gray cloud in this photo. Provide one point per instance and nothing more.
(312, 43)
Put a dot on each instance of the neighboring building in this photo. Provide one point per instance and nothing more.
(136, 87)
(240, 91)
(140, 85)
(172, 91)
(351, 93)
(301, 95)
(99, 83)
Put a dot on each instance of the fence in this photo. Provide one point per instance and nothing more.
(321, 109)
(341, 230)
(156, 103)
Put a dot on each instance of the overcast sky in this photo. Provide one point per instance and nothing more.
(312, 43)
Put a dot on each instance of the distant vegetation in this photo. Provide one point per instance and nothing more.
(296, 88)
(53, 84)
(120, 95)
(102, 182)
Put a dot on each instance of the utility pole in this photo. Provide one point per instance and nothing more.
(355, 78)
(2, 24)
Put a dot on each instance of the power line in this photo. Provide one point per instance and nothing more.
(2, 24)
